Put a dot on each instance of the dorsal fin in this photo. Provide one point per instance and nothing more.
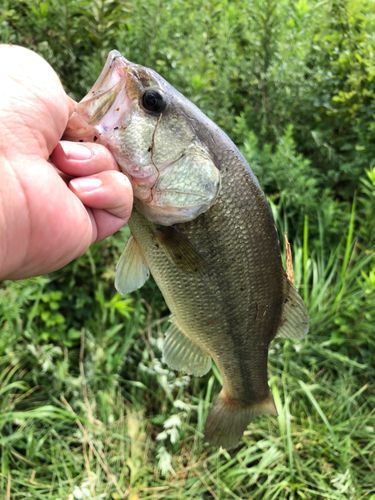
(295, 320)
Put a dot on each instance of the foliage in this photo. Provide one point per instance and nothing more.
(305, 64)
(367, 202)
(87, 407)
(345, 100)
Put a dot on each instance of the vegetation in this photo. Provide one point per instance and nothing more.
(87, 408)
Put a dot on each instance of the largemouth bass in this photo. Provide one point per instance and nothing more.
(203, 227)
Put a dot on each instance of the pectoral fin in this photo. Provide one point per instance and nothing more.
(182, 354)
(179, 250)
(295, 320)
(131, 271)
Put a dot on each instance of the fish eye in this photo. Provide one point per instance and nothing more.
(154, 100)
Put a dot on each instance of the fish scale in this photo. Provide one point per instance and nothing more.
(249, 265)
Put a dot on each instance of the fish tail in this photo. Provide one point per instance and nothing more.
(229, 418)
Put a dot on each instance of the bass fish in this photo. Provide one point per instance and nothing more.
(204, 229)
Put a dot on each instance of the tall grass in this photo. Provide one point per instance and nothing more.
(98, 415)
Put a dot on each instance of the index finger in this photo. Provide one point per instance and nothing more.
(82, 159)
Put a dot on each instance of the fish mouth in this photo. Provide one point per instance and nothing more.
(104, 107)
(108, 90)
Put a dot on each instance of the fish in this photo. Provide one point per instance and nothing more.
(202, 226)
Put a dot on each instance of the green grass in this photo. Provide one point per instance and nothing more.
(87, 409)
(92, 412)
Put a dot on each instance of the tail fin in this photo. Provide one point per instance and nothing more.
(229, 418)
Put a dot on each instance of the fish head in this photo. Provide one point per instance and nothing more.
(147, 126)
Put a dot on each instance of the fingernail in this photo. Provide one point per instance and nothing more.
(75, 151)
(86, 183)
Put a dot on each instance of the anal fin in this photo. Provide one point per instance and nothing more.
(131, 271)
(182, 354)
(295, 319)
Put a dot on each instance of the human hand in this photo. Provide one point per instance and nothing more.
(50, 213)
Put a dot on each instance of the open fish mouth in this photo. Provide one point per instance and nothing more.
(109, 91)
(91, 117)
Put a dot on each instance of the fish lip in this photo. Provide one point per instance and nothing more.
(115, 69)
